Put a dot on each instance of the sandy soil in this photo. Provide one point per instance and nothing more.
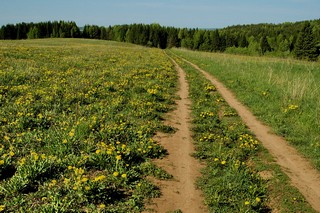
(303, 176)
(179, 193)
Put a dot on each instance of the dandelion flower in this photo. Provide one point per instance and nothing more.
(223, 162)
(116, 174)
(71, 133)
(247, 203)
(124, 175)
(258, 199)
(102, 206)
(99, 178)
(66, 181)
(84, 179)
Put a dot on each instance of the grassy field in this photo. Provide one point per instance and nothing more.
(77, 119)
(283, 93)
(240, 175)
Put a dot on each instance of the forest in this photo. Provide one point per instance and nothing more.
(299, 39)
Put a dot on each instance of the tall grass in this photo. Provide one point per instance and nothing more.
(284, 93)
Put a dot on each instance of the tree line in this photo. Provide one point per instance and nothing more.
(299, 39)
(49, 29)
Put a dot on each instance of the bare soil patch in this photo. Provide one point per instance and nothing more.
(179, 193)
(303, 176)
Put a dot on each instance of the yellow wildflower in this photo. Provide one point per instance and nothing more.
(11, 153)
(35, 156)
(246, 203)
(53, 182)
(99, 178)
(22, 161)
(102, 206)
(118, 157)
(40, 116)
(124, 175)
(116, 174)
(66, 181)
(84, 179)
(79, 171)
(71, 133)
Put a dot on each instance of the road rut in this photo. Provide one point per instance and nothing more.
(303, 176)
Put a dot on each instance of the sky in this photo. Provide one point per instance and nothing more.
(176, 13)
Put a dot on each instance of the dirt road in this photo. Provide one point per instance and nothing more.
(179, 193)
(303, 176)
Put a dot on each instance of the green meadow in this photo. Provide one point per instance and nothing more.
(78, 119)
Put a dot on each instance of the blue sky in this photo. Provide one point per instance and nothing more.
(177, 13)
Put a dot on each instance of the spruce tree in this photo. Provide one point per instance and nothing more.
(305, 47)
(264, 45)
(216, 41)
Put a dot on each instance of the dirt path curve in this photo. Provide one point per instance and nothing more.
(303, 176)
(179, 193)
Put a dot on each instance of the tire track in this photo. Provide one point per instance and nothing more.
(179, 193)
(302, 174)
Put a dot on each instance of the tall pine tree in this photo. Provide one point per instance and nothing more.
(305, 47)
(264, 45)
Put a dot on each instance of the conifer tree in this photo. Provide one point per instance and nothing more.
(264, 45)
(305, 47)
(216, 41)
